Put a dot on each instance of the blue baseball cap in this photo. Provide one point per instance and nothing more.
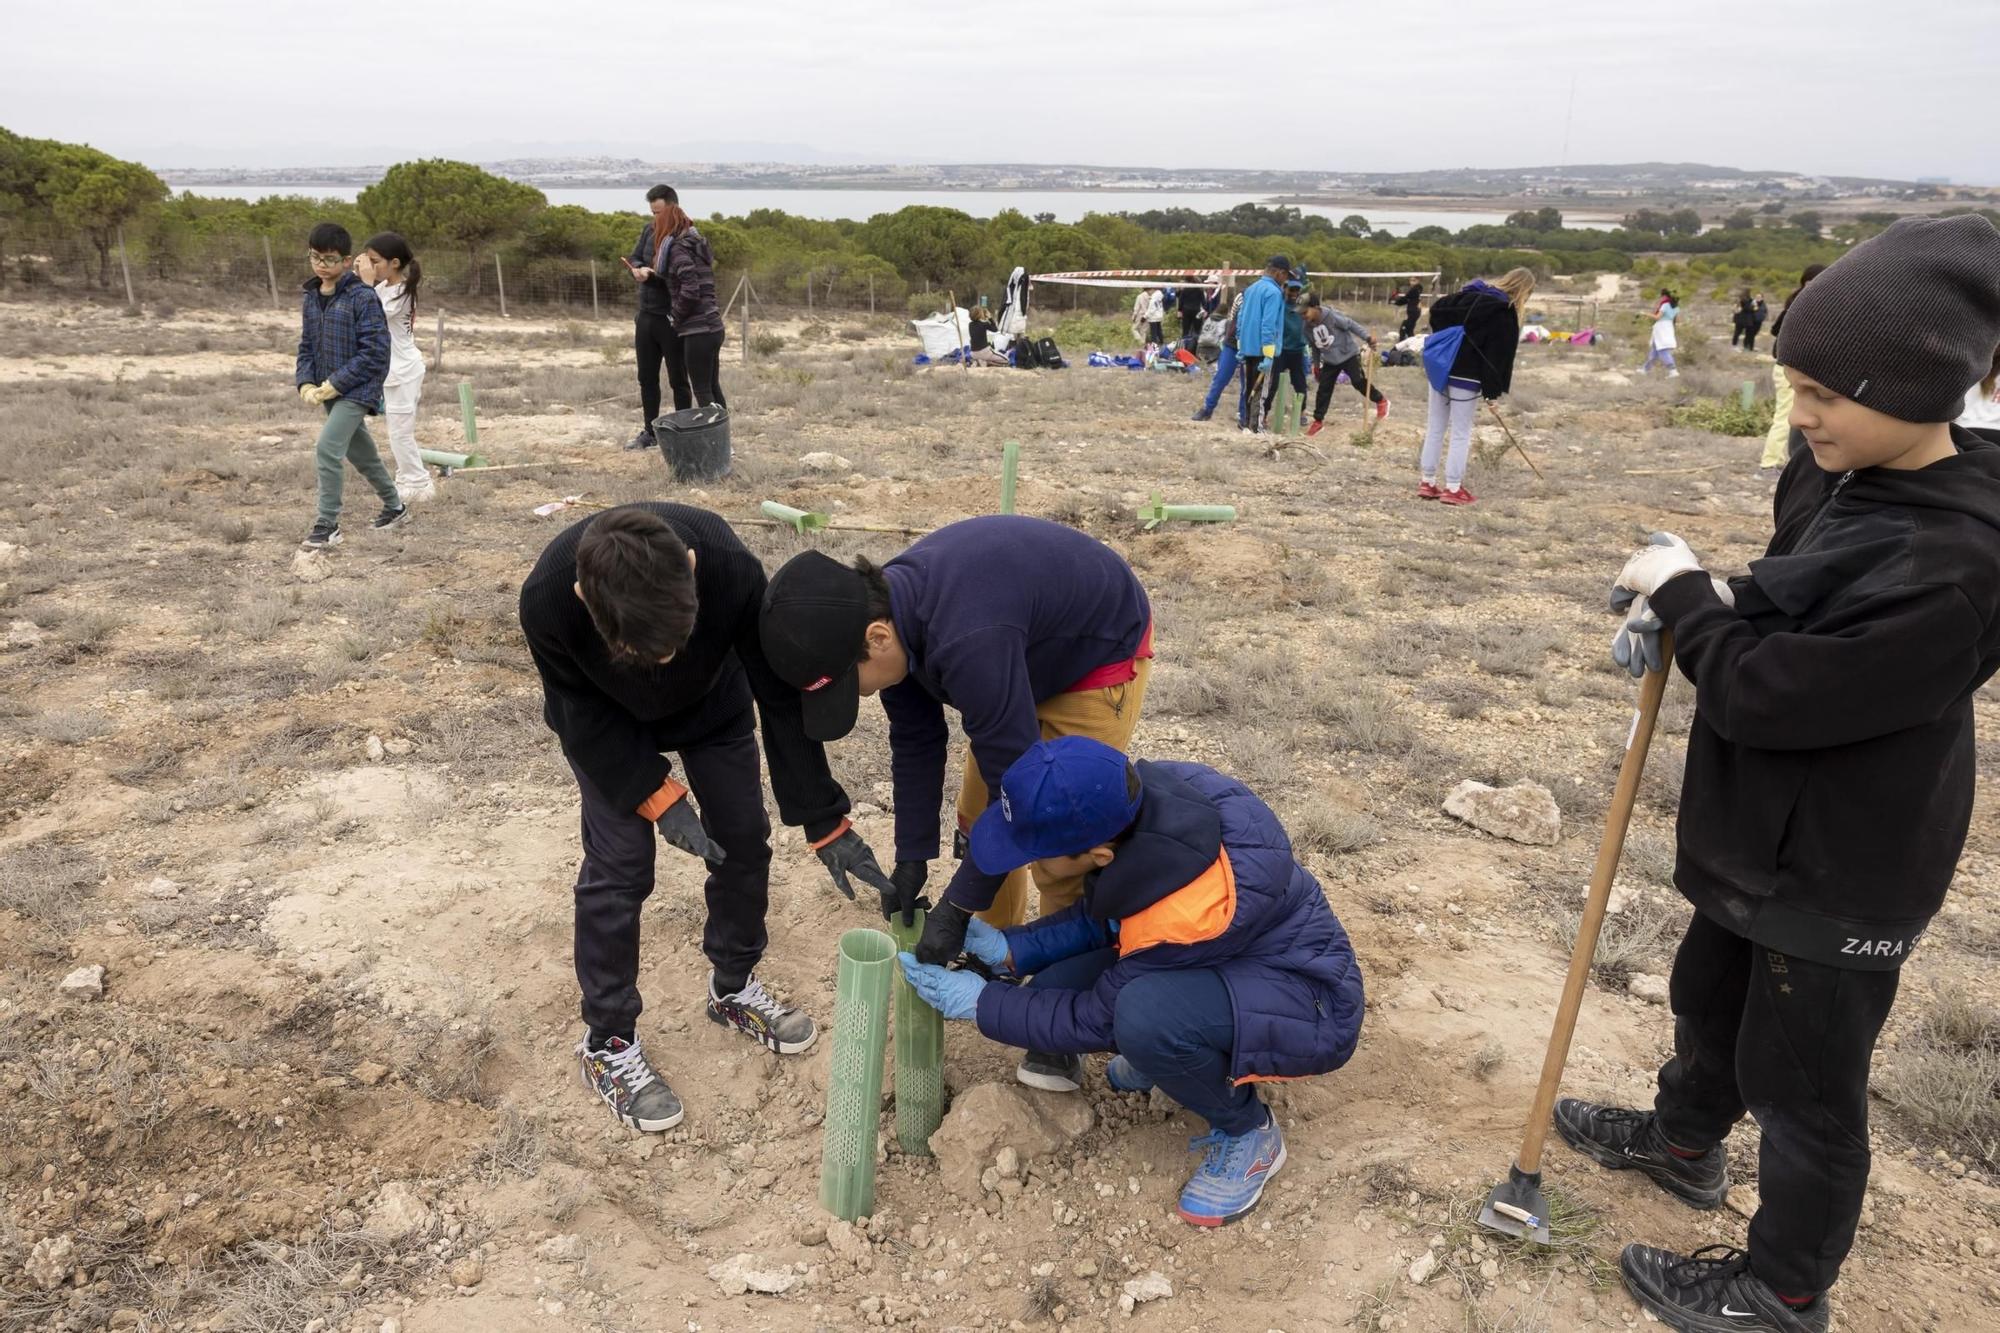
(1062, 797)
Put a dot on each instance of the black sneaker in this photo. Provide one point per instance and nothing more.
(1620, 1139)
(620, 1074)
(1714, 1291)
(1051, 1073)
(322, 536)
(756, 1014)
(392, 516)
(643, 440)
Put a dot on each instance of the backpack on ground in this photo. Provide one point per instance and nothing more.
(1025, 356)
(1046, 353)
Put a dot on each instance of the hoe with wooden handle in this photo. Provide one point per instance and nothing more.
(1516, 1207)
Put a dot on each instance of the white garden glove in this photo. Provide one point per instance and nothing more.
(1636, 646)
(1664, 557)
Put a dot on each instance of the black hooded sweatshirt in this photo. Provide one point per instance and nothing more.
(1830, 769)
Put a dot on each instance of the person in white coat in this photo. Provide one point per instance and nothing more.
(387, 264)
(1663, 342)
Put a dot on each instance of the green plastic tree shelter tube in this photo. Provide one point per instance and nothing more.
(1010, 470)
(1285, 409)
(802, 520)
(1154, 514)
(919, 1054)
(854, 1085)
(441, 458)
(467, 411)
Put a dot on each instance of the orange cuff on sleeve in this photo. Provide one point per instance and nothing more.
(834, 836)
(656, 805)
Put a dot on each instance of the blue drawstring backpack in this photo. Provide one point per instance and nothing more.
(1440, 350)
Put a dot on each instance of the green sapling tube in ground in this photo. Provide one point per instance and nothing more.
(465, 407)
(802, 520)
(1285, 409)
(854, 1084)
(1010, 468)
(919, 1054)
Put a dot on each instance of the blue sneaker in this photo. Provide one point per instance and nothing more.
(1232, 1175)
(1123, 1076)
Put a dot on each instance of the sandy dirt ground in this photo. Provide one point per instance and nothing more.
(314, 833)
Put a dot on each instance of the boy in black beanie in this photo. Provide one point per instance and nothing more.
(1829, 778)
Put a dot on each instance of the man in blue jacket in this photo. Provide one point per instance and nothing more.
(1260, 332)
(343, 359)
(1202, 952)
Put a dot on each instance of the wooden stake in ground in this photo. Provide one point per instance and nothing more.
(271, 272)
(437, 346)
(500, 278)
(125, 268)
(594, 312)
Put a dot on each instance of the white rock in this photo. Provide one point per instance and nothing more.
(162, 888)
(1152, 1287)
(822, 461)
(398, 1212)
(746, 1272)
(1524, 812)
(49, 1263)
(399, 745)
(86, 983)
(559, 1247)
(1645, 986)
(9, 553)
(1424, 1265)
(1617, 900)
(23, 634)
(375, 749)
(1008, 1162)
(1743, 1200)
(391, 1325)
(310, 566)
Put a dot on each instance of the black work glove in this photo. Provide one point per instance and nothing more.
(944, 933)
(848, 855)
(680, 828)
(906, 888)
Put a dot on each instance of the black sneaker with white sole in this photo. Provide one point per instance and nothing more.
(1051, 1073)
(392, 516)
(1714, 1291)
(643, 440)
(619, 1073)
(322, 536)
(755, 1013)
(1630, 1140)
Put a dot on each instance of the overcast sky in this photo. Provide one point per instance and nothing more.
(1851, 87)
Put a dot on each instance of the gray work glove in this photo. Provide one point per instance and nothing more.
(680, 828)
(849, 855)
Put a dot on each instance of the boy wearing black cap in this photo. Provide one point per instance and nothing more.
(642, 621)
(1028, 628)
(1202, 952)
(1830, 769)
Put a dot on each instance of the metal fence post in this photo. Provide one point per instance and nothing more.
(125, 268)
(594, 312)
(500, 277)
(271, 272)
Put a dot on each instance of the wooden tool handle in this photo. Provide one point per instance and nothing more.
(1651, 691)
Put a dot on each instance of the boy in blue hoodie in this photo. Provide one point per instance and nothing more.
(1202, 952)
(343, 359)
(1260, 333)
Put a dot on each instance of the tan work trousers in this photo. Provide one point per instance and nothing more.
(1108, 715)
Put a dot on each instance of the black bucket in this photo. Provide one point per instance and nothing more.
(695, 443)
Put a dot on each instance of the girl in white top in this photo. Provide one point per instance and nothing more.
(387, 264)
(1663, 341)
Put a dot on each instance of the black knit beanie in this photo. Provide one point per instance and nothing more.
(1904, 322)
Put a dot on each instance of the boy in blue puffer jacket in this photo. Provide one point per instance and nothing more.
(1202, 952)
(343, 360)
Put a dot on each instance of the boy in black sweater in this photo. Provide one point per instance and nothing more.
(1829, 772)
(642, 621)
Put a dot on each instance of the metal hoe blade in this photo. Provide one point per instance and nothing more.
(1516, 1207)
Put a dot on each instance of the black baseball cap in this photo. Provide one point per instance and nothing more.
(1280, 261)
(814, 617)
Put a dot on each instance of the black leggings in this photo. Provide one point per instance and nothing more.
(1291, 362)
(1329, 375)
(654, 341)
(701, 359)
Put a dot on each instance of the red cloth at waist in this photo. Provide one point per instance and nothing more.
(1117, 673)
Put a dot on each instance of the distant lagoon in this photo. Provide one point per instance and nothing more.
(832, 205)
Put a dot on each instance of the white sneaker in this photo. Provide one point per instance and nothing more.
(416, 495)
(1673, 374)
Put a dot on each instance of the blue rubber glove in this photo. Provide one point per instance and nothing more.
(989, 945)
(953, 994)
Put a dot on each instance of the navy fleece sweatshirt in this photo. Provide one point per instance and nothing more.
(997, 614)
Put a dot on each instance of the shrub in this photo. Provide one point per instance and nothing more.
(1724, 416)
(766, 344)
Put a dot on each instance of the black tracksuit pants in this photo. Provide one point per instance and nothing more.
(1790, 1042)
(619, 847)
(1357, 375)
(1291, 361)
(701, 359)
(654, 341)
(1409, 322)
